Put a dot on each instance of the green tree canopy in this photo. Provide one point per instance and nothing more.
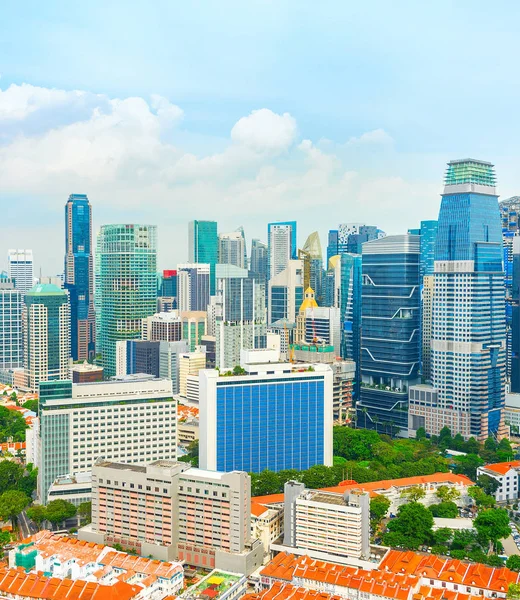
(447, 493)
(37, 514)
(467, 465)
(31, 405)
(411, 528)
(10, 475)
(445, 510)
(513, 562)
(85, 512)
(12, 503)
(379, 506)
(482, 500)
(58, 510)
(12, 425)
(488, 484)
(413, 493)
(492, 525)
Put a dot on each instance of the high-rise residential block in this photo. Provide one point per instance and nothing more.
(285, 294)
(168, 510)
(428, 287)
(194, 286)
(46, 330)
(390, 339)
(203, 247)
(79, 276)
(468, 321)
(282, 246)
(232, 249)
(130, 420)
(126, 286)
(272, 416)
(11, 338)
(20, 269)
(515, 318)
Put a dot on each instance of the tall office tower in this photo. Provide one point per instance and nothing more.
(79, 276)
(169, 284)
(232, 249)
(243, 428)
(126, 286)
(194, 326)
(350, 294)
(11, 338)
(351, 236)
(194, 285)
(468, 332)
(428, 286)
(390, 338)
(428, 233)
(162, 327)
(333, 282)
(332, 244)
(285, 293)
(510, 216)
(259, 261)
(169, 361)
(20, 269)
(282, 246)
(203, 247)
(240, 316)
(46, 330)
(313, 265)
(240, 230)
(515, 320)
(133, 420)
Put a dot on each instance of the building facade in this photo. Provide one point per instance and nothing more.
(203, 248)
(194, 286)
(131, 420)
(126, 286)
(46, 331)
(282, 246)
(232, 249)
(259, 261)
(285, 293)
(390, 339)
(515, 319)
(162, 327)
(20, 269)
(79, 276)
(11, 337)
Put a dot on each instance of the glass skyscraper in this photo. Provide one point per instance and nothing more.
(390, 338)
(203, 246)
(11, 341)
(259, 261)
(281, 246)
(515, 319)
(468, 321)
(350, 312)
(79, 276)
(332, 244)
(428, 233)
(126, 286)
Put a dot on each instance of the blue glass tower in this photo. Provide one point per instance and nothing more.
(332, 245)
(515, 319)
(390, 331)
(428, 233)
(350, 305)
(468, 323)
(79, 276)
(203, 246)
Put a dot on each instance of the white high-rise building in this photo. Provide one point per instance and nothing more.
(231, 249)
(280, 249)
(285, 294)
(20, 269)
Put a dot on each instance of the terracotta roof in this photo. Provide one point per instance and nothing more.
(35, 585)
(257, 509)
(282, 566)
(286, 591)
(139, 564)
(503, 467)
(270, 499)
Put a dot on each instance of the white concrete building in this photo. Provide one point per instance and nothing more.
(280, 246)
(231, 249)
(285, 293)
(20, 269)
(190, 363)
(507, 475)
(162, 327)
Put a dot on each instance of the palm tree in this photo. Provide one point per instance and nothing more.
(375, 420)
(364, 411)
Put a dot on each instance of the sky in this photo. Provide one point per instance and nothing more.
(247, 112)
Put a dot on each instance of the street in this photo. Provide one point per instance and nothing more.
(27, 527)
(510, 546)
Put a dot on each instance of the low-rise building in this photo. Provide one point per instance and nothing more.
(86, 373)
(76, 488)
(507, 475)
(218, 585)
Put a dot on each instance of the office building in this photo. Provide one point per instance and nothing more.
(274, 416)
(350, 301)
(46, 330)
(333, 282)
(428, 233)
(20, 269)
(344, 373)
(390, 338)
(232, 249)
(190, 363)
(126, 286)
(282, 246)
(203, 249)
(169, 284)
(313, 265)
(194, 327)
(352, 236)
(322, 325)
(11, 338)
(79, 276)
(468, 321)
(193, 286)
(428, 286)
(332, 244)
(169, 510)
(259, 261)
(86, 373)
(285, 293)
(169, 362)
(162, 327)
(132, 419)
(327, 522)
(515, 318)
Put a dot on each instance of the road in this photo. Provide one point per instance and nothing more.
(510, 546)
(27, 527)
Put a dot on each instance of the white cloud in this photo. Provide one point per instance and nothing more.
(376, 137)
(265, 131)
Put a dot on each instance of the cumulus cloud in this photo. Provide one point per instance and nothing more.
(265, 131)
(376, 137)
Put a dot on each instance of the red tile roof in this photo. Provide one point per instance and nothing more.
(286, 591)
(503, 467)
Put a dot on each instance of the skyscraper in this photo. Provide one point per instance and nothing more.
(193, 286)
(313, 265)
(232, 249)
(332, 245)
(126, 286)
(259, 261)
(282, 246)
(20, 269)
(351, 236)
(428, 233)
(515, 319)
(46, 328)
(285, 294)
(79, 276)
(468, 322)
(390, 338)
(203, 246)
(11, 340)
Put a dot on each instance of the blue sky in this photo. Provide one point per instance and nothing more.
(148, 108)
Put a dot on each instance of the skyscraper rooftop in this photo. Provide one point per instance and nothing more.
(469, 170)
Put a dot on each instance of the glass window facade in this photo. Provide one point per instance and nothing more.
(203, 247)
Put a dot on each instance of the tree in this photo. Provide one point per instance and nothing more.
(265, 483)
(12, 503)
(445, 437)
(379, 506)
(493, 560)
(442, 535)
(445, 510)
(467, 465)
(411, 528)
(463, 539)
(414, 493)
(513, 562)
(85, 512)
(447, 493)
(488, 484)
(420, 434)
(12, 425)
(59, 510)
(31, 405)
(513, 591)
(10, 475)
(37, 514)
(482, 500)
(492, 525)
